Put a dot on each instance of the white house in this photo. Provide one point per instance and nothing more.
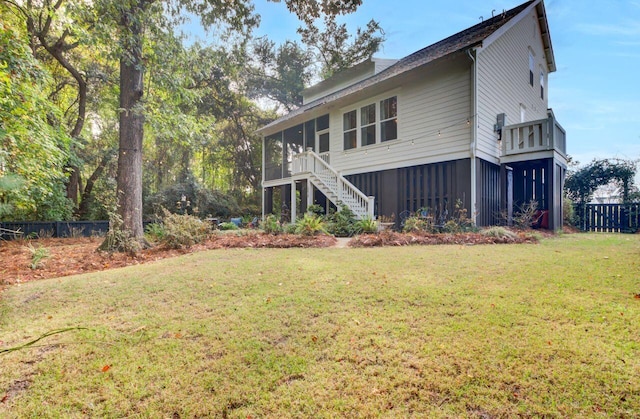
(463, 120)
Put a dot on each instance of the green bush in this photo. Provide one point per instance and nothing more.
(38, 255)
(310, 225)
(315, 209)
(155, 232)
(289, 228)
(271, 225)
(182, 231)
(341, 223)
(366, 225)
(569, 216)
(227, 226)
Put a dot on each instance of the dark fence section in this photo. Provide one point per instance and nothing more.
(609, 218)
(53, 229)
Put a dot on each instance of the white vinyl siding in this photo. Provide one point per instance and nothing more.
(504, 82)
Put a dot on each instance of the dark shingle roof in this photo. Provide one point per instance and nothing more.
(462, 40)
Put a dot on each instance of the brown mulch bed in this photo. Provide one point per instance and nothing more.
(79, 255)
(391, 238)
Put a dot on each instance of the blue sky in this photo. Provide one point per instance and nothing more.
(595, 92)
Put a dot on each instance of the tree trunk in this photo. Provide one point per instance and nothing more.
(129, 176)
(73, 184)
(87, 192)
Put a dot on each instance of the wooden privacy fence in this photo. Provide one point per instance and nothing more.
(609, 218)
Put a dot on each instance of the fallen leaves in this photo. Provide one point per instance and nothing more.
(106, 368)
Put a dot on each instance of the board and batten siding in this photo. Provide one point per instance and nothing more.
(433, 109)
(503, 82)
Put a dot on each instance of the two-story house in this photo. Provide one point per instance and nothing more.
(463, 120)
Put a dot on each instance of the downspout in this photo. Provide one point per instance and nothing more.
(263, 174)
(474, 135)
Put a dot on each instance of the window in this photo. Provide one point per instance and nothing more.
(389, 119)
(371, 124)
(542, 85)
(368, 124)
(350, 129)
(523, 112)
(531, 65)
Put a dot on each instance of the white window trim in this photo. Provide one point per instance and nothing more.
(318, 134)
(358, 108)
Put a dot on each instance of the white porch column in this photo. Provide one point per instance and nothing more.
(294, 210)
(309, 193)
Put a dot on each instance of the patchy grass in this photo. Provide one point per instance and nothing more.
(547, 329)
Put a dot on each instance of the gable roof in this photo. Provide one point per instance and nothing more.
(460, 41)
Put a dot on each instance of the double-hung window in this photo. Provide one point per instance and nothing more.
(531, 65)
(350, 129)
(541, 84)
(368, 124)
(371, 124)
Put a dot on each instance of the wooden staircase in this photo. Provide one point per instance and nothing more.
(332, 184)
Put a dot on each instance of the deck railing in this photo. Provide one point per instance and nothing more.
(541, 135)
(345, 192)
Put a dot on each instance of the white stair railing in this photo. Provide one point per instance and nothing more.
(338, 189)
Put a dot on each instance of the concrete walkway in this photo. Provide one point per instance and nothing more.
(342, 242)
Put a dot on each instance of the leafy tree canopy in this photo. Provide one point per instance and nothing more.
(582, 183)
(32, 145)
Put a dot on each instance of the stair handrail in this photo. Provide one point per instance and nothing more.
(342, 183)
(338, 175)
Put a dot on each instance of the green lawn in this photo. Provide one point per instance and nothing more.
(551, 329)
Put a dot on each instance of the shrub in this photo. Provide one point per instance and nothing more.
(183, 230)
(289, 228)
(271, 225)
(155, 231)
(525, 216)
(341, 223)
(366, 225)
(310, 225)
(499, 233)
(415, 224)
(315, 209)
(119, 239)
(228, 226)
(38, 255)
(569, 216)
(460, 222)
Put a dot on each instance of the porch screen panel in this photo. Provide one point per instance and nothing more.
(273, 157)
(293, 144)
(310, 134)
